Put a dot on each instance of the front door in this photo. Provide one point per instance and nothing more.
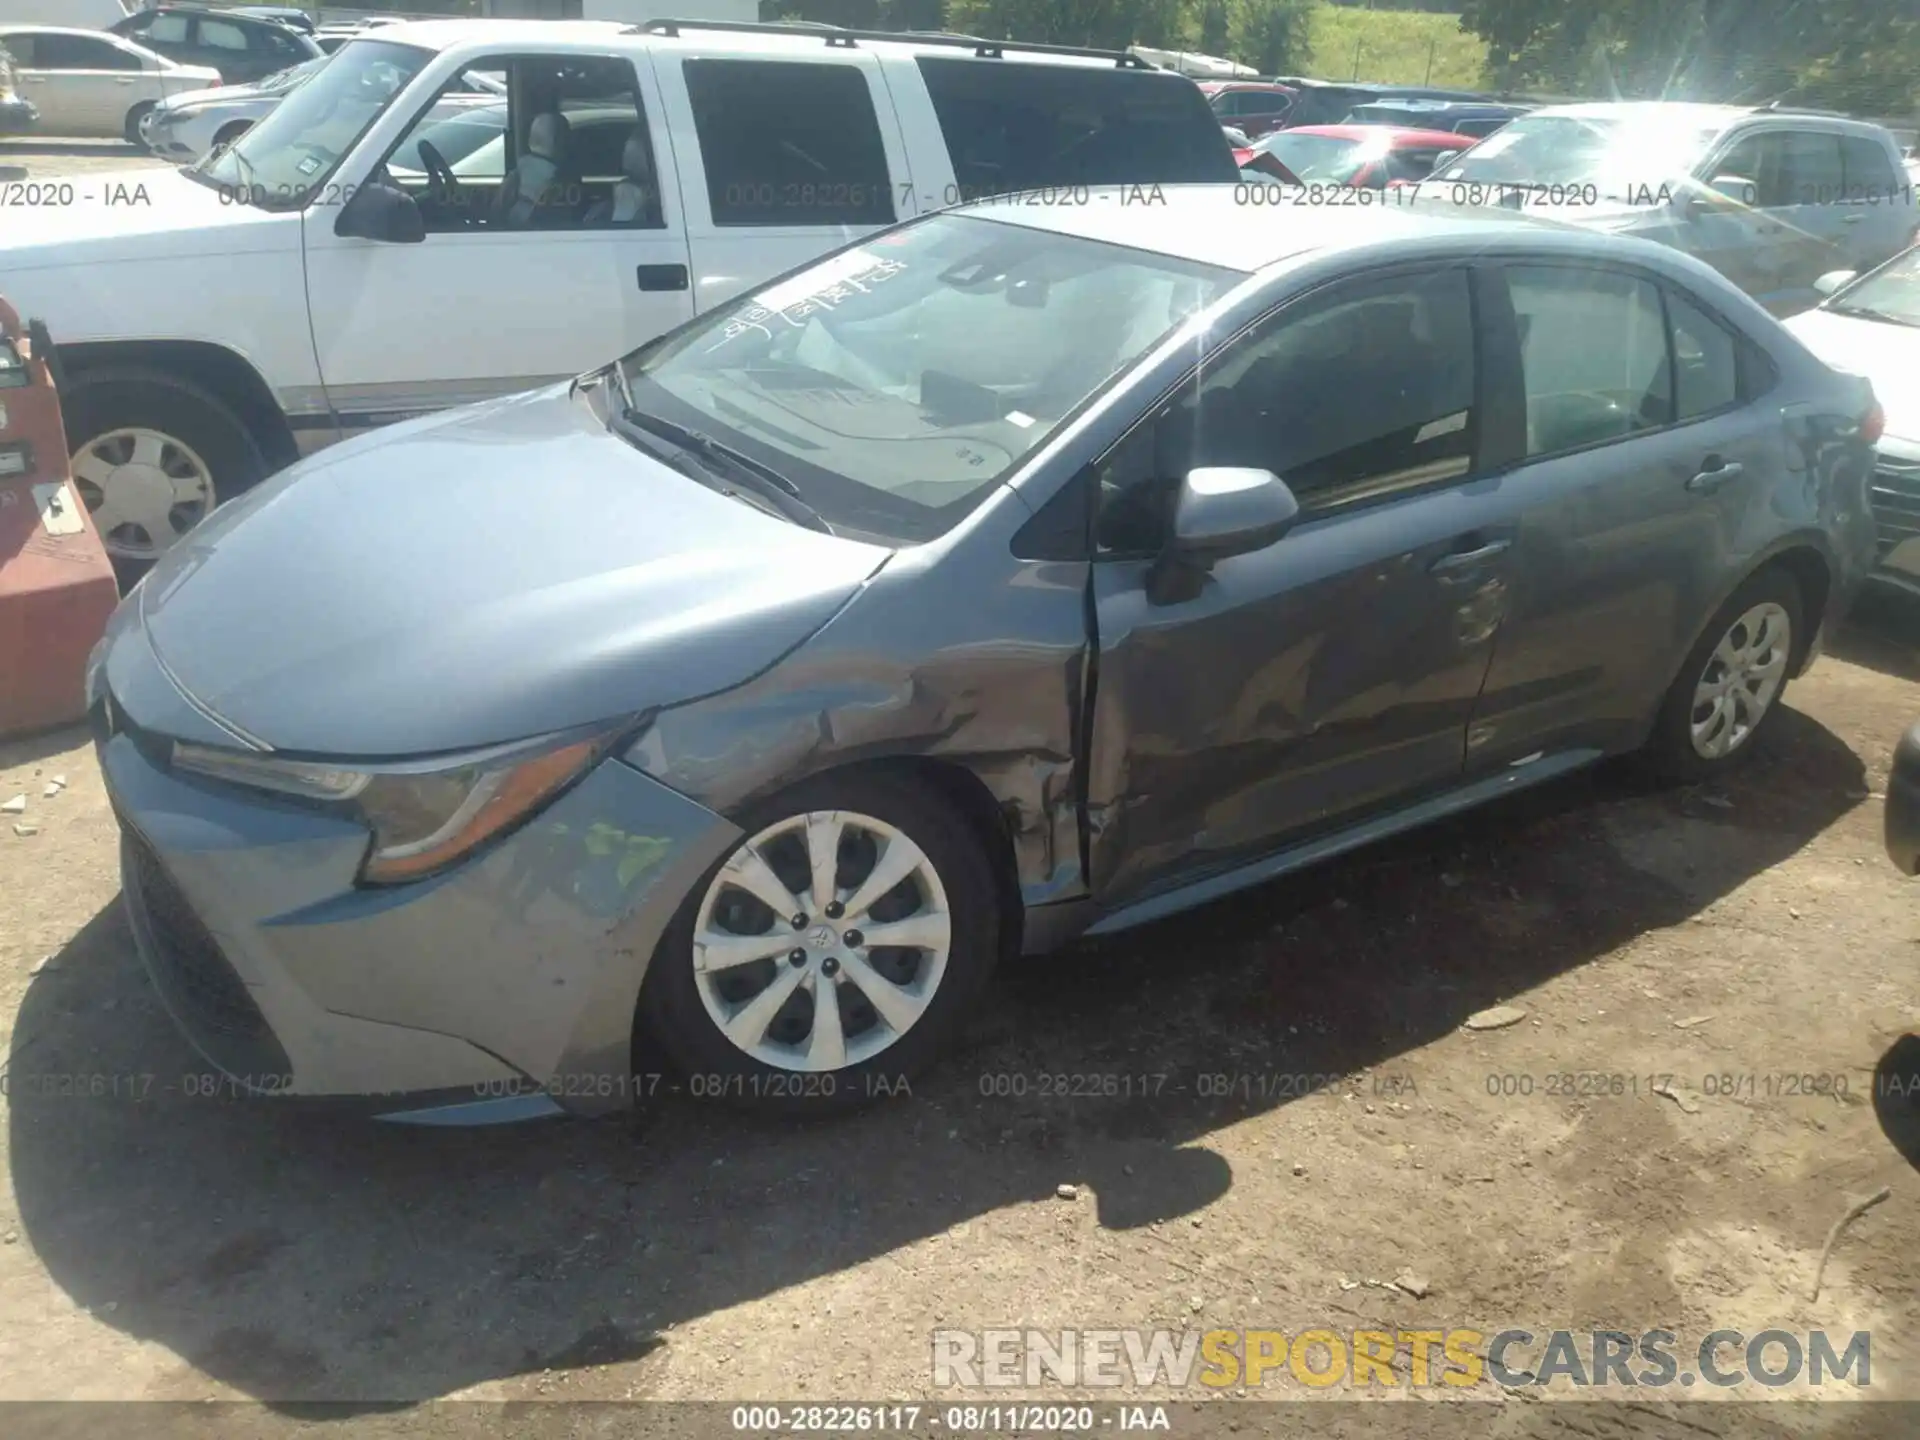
(1335, 671)
(1639, 456)
(555, 243)
(790, 158)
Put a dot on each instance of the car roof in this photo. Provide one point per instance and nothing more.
(1408, 135)
(1214, 224)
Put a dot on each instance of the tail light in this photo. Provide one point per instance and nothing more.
(1873, 424)
(1240, 157)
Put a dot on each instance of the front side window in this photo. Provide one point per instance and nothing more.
(789, 144)
(896, 383)
(1813, 171)
(286, 159)
(1012, 126)
(1593, 355)
(569, 150)
(1353, 395)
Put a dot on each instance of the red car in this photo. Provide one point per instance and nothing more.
(1370, 156)
(1253, 107)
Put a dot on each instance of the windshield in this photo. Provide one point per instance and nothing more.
(1324, 158)
(895, 383)
(1616, 155)
(283, 80)
(1891, 293)
(283, 160)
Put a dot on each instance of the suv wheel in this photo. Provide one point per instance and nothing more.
(1729, 689)
(152, 455)
(835, 952)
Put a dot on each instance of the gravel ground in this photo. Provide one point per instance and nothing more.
(1686, 954)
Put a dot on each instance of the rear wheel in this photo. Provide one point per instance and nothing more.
(1729, 689)
(833, 954)
(152, 455)
(131, 130)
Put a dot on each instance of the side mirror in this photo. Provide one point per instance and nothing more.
(382, 212)
(1444, 158)
(1833, 280)
(1736, 188)
(1220, 511)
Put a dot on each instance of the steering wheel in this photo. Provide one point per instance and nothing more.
(442, 186)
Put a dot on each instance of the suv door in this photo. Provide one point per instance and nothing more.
(559, 246)
(1635, 456)
(1759, 244)
(783, 159)
(1333, 672)
(1877, 207)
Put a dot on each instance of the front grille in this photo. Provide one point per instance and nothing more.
(1896, 503)
(205, 993)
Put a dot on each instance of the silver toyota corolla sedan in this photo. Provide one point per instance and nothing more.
(1028, 570)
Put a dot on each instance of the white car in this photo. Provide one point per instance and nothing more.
(187, 126)
(87, 82)
(1772, 198)
(1870, 325)
(332, 270)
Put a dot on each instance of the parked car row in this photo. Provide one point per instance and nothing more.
(1261, 107)
(90, 82)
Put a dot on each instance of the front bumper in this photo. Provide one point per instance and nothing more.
(501, 988)
(162, 133)
(1903, 805)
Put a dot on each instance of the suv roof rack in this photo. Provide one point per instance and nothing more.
(1780, 107)
(840, 39)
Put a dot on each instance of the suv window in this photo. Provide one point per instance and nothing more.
(1593, 355)
(789, 144)
(570, 150)
(165, 29)
(1281, 398)
(1012, 126)
(1758, 158)
(80, 52)
(222, 35)
(1812, 163)
(1869, 170)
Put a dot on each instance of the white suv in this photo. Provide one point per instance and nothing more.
(1772, 198)
(356, 258)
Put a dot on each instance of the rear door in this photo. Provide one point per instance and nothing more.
(1636, 458)
(782, 157)
(1877, 207)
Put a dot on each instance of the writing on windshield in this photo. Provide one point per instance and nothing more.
(823, 288)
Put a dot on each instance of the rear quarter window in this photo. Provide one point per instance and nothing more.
(1012, 126)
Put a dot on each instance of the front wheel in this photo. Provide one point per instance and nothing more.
(1730, 686)
(833, 954)
(131, 130)
(152, 454)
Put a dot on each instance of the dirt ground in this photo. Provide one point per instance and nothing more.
(1716, 946)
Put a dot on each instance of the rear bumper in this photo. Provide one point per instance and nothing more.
(17, 117)
(1903, 805)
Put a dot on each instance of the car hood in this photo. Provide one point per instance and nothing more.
(479, 576)
(123, 216)
(191, 99)
(1888, 355)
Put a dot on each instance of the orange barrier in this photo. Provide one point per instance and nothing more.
(57, 586)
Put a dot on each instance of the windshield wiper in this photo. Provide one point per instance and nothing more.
(721, 457)
(1868, 312)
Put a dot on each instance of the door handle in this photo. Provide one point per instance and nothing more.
(1853, 219)
(1715, 475)
(1467, 559)
(662, 277)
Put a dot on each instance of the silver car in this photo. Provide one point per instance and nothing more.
(1017, 573)
(1772, 198)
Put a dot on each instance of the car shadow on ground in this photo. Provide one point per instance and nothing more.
(302, 1259)
(1882, 634)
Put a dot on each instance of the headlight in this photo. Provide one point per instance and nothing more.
(422, 819)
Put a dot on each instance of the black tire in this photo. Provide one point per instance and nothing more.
(111, 398)
(132, 127)
(674, 1017)
(1670, 752)
(230, 133)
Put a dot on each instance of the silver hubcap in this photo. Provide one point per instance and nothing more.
(145, 490)
(821, 941)
(1742, 677)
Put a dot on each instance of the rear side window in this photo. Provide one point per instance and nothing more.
(1869, 169)
(223, 35)
(1011, 126)
(167, 30)
(1706, 372)
(788, 144)
(1593, 354)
